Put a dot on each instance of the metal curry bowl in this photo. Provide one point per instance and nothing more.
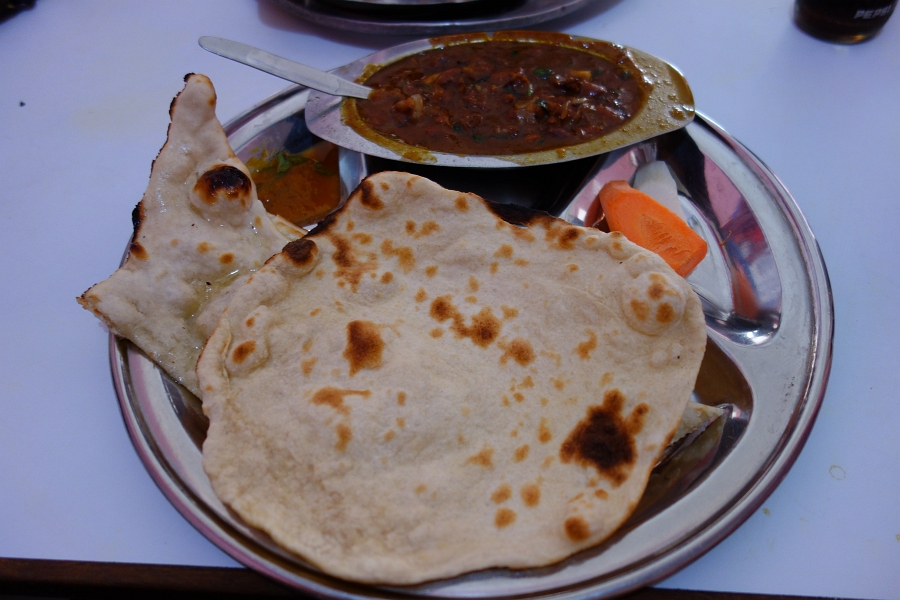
(667, 104)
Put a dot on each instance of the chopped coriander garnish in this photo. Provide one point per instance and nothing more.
(320, 168)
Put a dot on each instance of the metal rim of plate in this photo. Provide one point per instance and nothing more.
(786, 391)
(529, 12)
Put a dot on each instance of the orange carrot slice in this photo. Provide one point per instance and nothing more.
(651, 225)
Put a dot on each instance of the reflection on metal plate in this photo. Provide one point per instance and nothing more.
(766, 364)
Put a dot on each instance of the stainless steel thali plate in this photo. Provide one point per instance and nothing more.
(769, 317)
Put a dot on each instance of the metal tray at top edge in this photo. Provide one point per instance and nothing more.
(767, 363)
(525, 14)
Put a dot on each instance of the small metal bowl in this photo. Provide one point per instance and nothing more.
(668, 106)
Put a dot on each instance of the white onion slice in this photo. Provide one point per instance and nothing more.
(655, 180)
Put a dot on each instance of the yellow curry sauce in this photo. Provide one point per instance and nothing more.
(302, 188)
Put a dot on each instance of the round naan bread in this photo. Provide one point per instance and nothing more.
(429, 384)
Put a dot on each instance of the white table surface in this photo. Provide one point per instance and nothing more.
(84, 93)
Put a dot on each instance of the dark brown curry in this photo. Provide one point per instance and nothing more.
(501, 98)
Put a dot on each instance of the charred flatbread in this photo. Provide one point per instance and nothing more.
(199, 231)
(429, 384)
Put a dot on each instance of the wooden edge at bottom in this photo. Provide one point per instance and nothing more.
(68, 578)
(80, 579)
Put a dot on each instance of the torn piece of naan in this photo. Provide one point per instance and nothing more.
(429, 384)
(695, 419)
(199, 232)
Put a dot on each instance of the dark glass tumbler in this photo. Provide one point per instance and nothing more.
(844, 21)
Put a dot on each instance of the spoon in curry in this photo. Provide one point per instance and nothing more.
(284, 68)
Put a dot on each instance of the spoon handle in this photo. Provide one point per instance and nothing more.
(284, 68)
